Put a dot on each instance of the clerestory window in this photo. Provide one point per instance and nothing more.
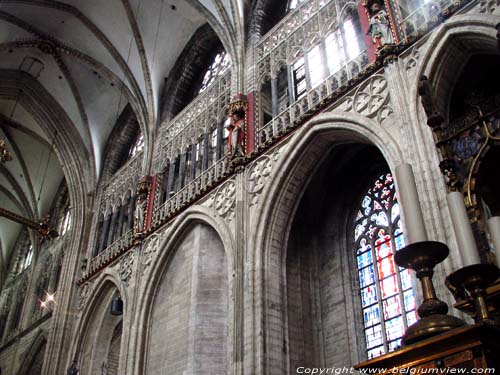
(219, 66)
(66, 223)
(387, 297)
(138, 145)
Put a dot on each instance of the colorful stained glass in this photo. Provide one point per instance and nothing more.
(374, 336)
(376, 352)
(409, 299)
(371, 315)
(386, 267)
(392, 307)
(389, 286)
(368, 296)
(386, 290)
(364, 259)
(383, 247)
(394, 345)
(394, 328)
(411, 317)
(405, 279)
(366, 276)
(400, 242)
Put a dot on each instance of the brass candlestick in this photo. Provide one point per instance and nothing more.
(475, 279)
(422, 257)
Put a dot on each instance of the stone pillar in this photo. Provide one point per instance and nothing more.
(410, 204)
(206, 150)
(104, 234)
(98, 238)
(274, 96)
(463, 231)
(171, 179)
(112, 227)
(192, 172)
(119, 230)
(130, 217)
(494, 229)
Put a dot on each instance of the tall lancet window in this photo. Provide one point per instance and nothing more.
(387, 297)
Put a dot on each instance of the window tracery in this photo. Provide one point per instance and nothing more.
(220, 64)
(387, 297)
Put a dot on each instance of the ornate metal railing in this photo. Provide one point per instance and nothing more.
(189, 126)
(192, 191)
(110, 253)
(304, 107)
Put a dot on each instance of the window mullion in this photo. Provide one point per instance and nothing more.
(379, 293)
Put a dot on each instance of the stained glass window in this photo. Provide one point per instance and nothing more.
(219, 65)
(138, 145)
(387, 297)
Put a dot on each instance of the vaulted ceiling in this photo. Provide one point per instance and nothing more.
(77, 64)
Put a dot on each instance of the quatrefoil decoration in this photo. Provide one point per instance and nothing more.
(371, 96)
(225, 199)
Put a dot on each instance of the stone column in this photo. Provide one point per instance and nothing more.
(494, 229)
(274, 96)
(131, 208)
(119, 230)
(171, 179)
(463, 231)
(112, 227)
(410, 204)
(104, 234)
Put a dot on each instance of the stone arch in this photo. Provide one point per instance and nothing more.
(274, 218)
(451, 51)
(185, 78)
(79, 172)
(165, 249)
(447, 52)
(120, 142)
(95, 327)
(34, 357)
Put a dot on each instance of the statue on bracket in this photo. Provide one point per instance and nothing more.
(237, 113)
(434, 117)
(380, 25)
(141, 207)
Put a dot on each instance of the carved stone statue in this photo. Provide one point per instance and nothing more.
(450, 169)
(236, 135)
(434, 117)
(380, 26)
(73, 370)
(236, 127)
(140, 212)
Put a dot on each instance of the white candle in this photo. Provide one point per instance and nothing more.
(410, 204)
(463, 231)
(494, 229)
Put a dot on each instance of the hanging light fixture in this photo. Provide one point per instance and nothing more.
(117, 305)
(4, 153)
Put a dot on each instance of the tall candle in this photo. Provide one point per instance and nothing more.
(465, 238)
(494, 229)
(410, 204)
